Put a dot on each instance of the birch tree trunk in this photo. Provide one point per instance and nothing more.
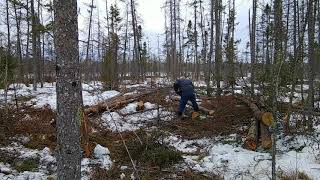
(69, 96)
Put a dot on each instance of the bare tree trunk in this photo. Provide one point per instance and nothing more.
(196, 61)
(311, 53)
(171, 64)
(167, 42)
(218, 56)
(318, 7)
(34, 46)
(175, 64)
(69, 96)
(18, 19)
(8, 27)
(180, 40)
(42, 63)
(28, 37)
(208, 78)
(136, 56)
(278, 55)
(108, 24)
(295, 57)
(124, 70)
(8, 53)
(87, 61)
(229, 39)
(253, 45)
(39, 54)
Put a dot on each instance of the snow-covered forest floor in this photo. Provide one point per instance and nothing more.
(160, 145)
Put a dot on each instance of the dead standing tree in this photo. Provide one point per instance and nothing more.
(136, 46)
(209, 65)
(8, 53)
(69, 96)
(230, 45)
(19, 53)
(311, 13)
(87, 60)
(218, 49)
(252, 30)
(35, 54)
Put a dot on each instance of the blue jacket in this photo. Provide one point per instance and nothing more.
(184, 87)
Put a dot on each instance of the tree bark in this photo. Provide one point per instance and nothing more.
(8, 53)
(311, 53)
(218, 56)
(276, 68)
(253, 45)
(69, 95)
(87, 61)
(34, 46)
(136, 56)
(124, 66)
(19, 53)
(208, 68)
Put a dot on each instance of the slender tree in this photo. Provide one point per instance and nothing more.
(19, 53)
(277, 65)
(311, 53)
(34, 45)
(8, 53)
(136, 56)
(87, 60)
(253, 45)
(218, 49)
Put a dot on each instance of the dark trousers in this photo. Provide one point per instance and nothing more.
(184, 100)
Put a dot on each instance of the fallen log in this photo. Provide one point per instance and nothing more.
(117, 102)
(140, 106)
(265, 117)
(202, 109)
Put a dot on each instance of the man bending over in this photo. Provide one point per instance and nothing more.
(185, 89)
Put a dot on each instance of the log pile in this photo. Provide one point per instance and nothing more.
(259, 129)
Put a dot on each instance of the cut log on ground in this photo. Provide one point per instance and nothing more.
(202, 109)
(140, 106)
(118, 102)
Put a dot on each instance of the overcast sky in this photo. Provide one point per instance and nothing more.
(152, 15)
